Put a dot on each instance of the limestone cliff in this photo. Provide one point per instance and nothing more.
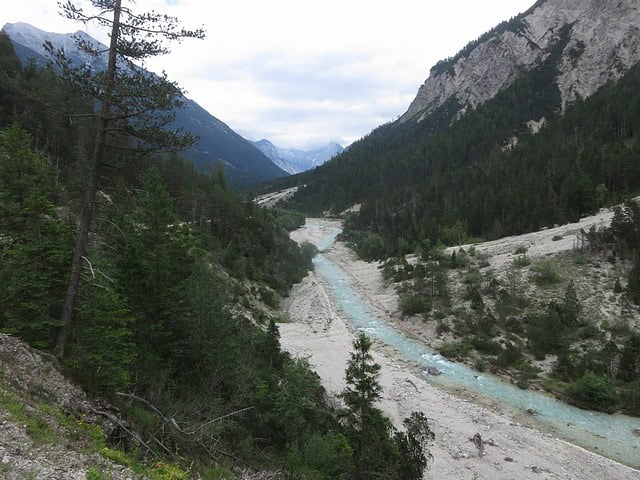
(603, 42)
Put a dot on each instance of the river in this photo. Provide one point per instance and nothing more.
(609, 435)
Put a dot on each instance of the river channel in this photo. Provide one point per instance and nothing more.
(609, 435)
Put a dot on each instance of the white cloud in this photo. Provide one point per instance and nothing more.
(304, 72)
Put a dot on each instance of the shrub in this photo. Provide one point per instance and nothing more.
(485, 345)
(521, 250)
(594, 391)
(455, 350)
(521, 261)
(371, 247)
(321, 457)
(545, 272)
(631, 398)
(617, 287)
(414, 304)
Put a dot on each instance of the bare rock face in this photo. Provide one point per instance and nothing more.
(604, 42)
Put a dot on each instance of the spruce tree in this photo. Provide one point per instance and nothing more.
(134, 105)
(35, 245)
(633, 286)
(365, 421)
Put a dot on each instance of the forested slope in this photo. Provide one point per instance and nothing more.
(486, 174)
(174, 328)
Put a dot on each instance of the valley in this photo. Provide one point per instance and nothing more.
(322, 329)
(458, 288)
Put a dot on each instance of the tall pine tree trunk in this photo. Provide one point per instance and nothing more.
(87, 210)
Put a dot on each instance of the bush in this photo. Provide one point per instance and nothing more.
(545, 273)
(521, 261)
(592, 391)
(521, 250)
(631, 398)
(371, 247)
(458, 259)
(321, 457)
(617, 287)
(485, 345)
(414, 304)
(455, 350)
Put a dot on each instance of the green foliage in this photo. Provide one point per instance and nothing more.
(322, 457)
(413, 446)
(455, 234)
(594, 391)
(521, 261)
(629, 368)
(631, 397)
(455, 350)
(376, 448)
(35, 244)
(545, 272)
(521, 250)
(94, 474)
(414, 304)
(36, 426)
(633, 286)
(451, 171)
(371, 247)
(102, 350)
(617, 286)
(362, 389)
(546, 330)
(288, 219)
(458, 259)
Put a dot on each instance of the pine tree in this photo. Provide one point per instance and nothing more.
(154, 264)
(633, 286)
(35, 245)
(414, 445)
(571, 305)
(134, 104)
(360, 395)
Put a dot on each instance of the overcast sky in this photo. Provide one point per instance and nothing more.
(300, 72)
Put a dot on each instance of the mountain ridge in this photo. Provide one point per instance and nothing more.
(487, 162)
(244, 164)
(604, 41)
(293, 160)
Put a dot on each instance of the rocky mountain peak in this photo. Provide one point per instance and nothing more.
(602, 42)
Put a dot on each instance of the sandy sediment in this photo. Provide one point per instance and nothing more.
(318, 332)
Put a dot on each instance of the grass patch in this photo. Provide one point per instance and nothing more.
(40, 432)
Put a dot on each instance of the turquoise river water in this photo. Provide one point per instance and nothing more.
(610, 435)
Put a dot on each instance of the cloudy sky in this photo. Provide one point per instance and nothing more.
(302, 72)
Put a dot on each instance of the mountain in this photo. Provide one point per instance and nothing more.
(244, 164)
(535, 123)
(295, 161)
(603, 41)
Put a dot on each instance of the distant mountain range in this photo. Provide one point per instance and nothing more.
(294, 161)
(244, 164)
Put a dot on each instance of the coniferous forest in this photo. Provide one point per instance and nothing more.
(450, 179)
(179, 278)
(156, 286)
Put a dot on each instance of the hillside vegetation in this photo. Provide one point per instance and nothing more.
(485, 174)
(554, 310)
(174, 331)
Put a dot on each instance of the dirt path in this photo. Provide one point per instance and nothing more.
(319, 332)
